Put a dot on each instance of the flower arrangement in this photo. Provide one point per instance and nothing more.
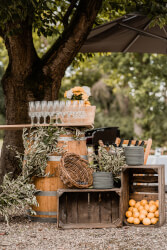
(79, 93)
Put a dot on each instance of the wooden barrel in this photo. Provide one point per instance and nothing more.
(47, 196)
(72, 145)
(48, 186)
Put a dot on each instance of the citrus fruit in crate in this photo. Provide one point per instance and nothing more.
(154, 220)
(152, 208)
(141, 217)
(141, 208)
(157, 203)
(156, 213)
(130, 220)
(137, 205)
(143, 212)
(134, 210)
(136, 214)
(136, 221)
(151, 202)
(132, 203)
(150, 215)
(143, 202)
(128, 214)
(146, 221)
(146, 207)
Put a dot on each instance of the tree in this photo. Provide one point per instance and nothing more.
(29, 77)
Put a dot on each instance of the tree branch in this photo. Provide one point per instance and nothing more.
(61, 54)
(68, 13)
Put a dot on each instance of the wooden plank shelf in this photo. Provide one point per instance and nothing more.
(21, 126)
(89, 208)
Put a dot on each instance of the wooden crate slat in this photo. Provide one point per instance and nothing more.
(106, 211)
(145, 179)
(144, 188)
(144, 171)
(94, 208)
(115, 206)
(72, 208)
(61, 191)
(91, 225)
(82, 209)
(161, 196)
(144, 196)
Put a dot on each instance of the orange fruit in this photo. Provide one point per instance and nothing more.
(135, 210)
(128, 214)
(151, 202)
(137, 205)
(130, 209)
(157, 203)
(146, 221)
(141, 217)
(152, 208)
(150, 215)
(132, 203)
(136, 214)
(143, 202)
(146, 207)
(157, 213)
(154, 220)
(140, 208)
(130, 220)
(143, 212)
(136, 221)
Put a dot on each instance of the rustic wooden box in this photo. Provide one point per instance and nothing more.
(88, 116)
(144, 182)
(89, 208)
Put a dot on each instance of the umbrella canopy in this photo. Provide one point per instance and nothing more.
(130, 33)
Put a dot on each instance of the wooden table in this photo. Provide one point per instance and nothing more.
(21, 126)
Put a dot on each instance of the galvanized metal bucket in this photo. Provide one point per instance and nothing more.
(103, 180)
(134, 155)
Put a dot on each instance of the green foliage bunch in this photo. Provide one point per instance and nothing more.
(16, 194)
(111, 160)
(39, 143)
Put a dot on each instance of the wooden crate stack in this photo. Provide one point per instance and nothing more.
(102, 208)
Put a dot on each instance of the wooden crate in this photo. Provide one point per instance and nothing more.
(89, 208)
(88, 117)
(144, 182)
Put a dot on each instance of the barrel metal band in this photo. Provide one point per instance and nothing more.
(46, 193)
(45, 213)
(84, 157)
(41, 219)
(54, 158)
(71, 139)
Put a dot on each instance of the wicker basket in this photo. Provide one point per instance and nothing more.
(75, 172)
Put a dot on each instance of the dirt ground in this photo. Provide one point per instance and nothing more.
(23, 234)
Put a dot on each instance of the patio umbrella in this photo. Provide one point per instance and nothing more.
(130, 33)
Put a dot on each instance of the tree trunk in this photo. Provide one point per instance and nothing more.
(20, 85)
